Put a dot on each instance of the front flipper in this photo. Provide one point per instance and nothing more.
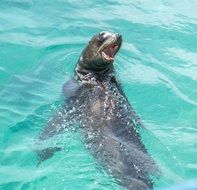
(61, 120)
(46, 153)
(54, 127)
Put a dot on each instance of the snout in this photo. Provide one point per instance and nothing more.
(110, 46)
(118, 38)
(114, 38)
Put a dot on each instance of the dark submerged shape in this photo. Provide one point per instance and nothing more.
(109, 124)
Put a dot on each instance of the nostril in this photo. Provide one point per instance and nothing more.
(118, 35)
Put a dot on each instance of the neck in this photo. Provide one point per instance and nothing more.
(85, 73)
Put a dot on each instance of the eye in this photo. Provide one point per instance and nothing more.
(105, 34)
(102, 33)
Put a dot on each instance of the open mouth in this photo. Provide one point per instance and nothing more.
(109, 52)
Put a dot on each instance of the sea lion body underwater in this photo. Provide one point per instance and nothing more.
(107, 120)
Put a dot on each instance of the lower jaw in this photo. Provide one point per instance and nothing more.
(107, 58)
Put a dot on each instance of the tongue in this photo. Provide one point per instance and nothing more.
(111, 50)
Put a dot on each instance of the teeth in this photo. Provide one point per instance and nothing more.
(107, 56)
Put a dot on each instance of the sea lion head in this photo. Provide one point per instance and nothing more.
(100, 52)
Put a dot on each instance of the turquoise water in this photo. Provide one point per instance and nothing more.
(40, 42)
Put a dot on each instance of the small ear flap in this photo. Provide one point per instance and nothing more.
(70, 87)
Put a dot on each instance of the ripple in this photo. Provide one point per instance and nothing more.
(17, 174)
(40, 44)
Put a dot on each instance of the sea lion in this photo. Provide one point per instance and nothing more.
(109, 125)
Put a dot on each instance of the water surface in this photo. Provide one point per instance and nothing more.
(40, 42)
